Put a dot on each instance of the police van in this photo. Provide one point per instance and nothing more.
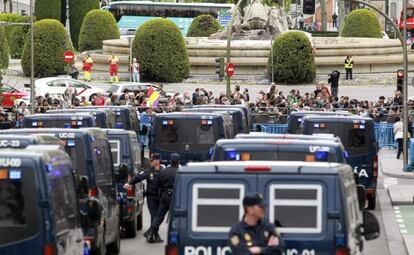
(358, 136)
(244, 108)
(295, 119)
(126, 155)
(126, 116)
(190, 134)
(279, 150)
(104, 118)
(314, 205)
(237, 114)
(22, 141)
(317, 137)
(91, 157)
(38, 203)
(67, 120)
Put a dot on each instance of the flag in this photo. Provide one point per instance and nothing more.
(153, 98)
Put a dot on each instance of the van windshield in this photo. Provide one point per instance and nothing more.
(18, 204)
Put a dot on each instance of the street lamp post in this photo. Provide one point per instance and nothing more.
(32, 87)
(403, 40)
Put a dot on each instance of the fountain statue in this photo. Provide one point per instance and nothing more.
(257, 22)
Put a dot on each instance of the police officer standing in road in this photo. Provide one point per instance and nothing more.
(253, 234)
(349, 65)
(165, 184)
(151, 175)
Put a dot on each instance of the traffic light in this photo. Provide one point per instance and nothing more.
(309, 6)
(400, 80)
(220, 68)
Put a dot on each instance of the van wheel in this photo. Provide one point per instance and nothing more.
(131, 228)
(371, 202)
(140, 221)
(115, 247)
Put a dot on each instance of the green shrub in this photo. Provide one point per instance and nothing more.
(50, 42)
(4, 50)
(97, 26)
(292, 59)
(78, 10)
(160, 49)
(361, 23)
(15, 18)
(47, 9)
(203, 26)
(17, 38)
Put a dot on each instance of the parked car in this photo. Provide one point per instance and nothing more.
(119, 88)
(58, 85)
(12, 96)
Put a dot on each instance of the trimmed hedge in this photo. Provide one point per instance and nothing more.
(160, 49)
(50, 42)
(15, 34)
(292, 59)
(97, 26)
(361, 23)
(4, 50)
(47, 9)
(78, 10)
(203, 26)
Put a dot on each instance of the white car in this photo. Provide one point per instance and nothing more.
(119, 88)
(58, 85)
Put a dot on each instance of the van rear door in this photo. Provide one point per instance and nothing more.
(211, 208)
(298, 206)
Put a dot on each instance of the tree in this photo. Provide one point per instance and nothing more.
(4, 49)
(15, 34)
(97, 26)
(78, 10)
(47, 9)
(292, 59)
(324, 14)
(50, 42)
(361, 23)
(160, 49)
(203, 26)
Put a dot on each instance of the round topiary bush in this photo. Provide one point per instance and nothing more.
(292, 59)
(78, 10)
(97, 26)
(50, 42)
(203, 26)
(47, 9)
(4, 50)
(361, 23)
(160, 49)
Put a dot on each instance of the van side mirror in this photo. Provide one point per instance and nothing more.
(362, 196)
(371, 226)
(94, 212)
(123, 171)
(83, 186)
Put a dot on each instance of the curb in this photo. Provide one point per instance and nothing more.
(406, 175)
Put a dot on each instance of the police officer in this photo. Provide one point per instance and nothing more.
(253, 234)
(151, 175)
(165, 184)
(349, 64)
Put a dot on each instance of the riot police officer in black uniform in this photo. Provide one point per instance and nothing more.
(165, 184)
(253, 234)
(151, 175)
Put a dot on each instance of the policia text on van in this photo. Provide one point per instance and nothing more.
(314, 205)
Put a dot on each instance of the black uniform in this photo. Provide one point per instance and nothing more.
(151, 193)
(165, 185)
(243, 236)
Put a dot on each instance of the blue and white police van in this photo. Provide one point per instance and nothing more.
(314, 205)
(49, 120)
(295, 119)
(104, 118)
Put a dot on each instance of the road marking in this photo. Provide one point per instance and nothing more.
(402, 225)
(398, 216)
(400, 220)
(403, 231)
(396, 208)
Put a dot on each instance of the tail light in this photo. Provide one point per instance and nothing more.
(49, 249)
(257, 169)
(131, 191)
(93, 192)
(375, 167)
(171, 250)
(342, 251)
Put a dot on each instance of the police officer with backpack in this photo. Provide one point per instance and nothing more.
(253, 234)
(165, 184)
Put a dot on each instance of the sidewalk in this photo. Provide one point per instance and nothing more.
(401, 195)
